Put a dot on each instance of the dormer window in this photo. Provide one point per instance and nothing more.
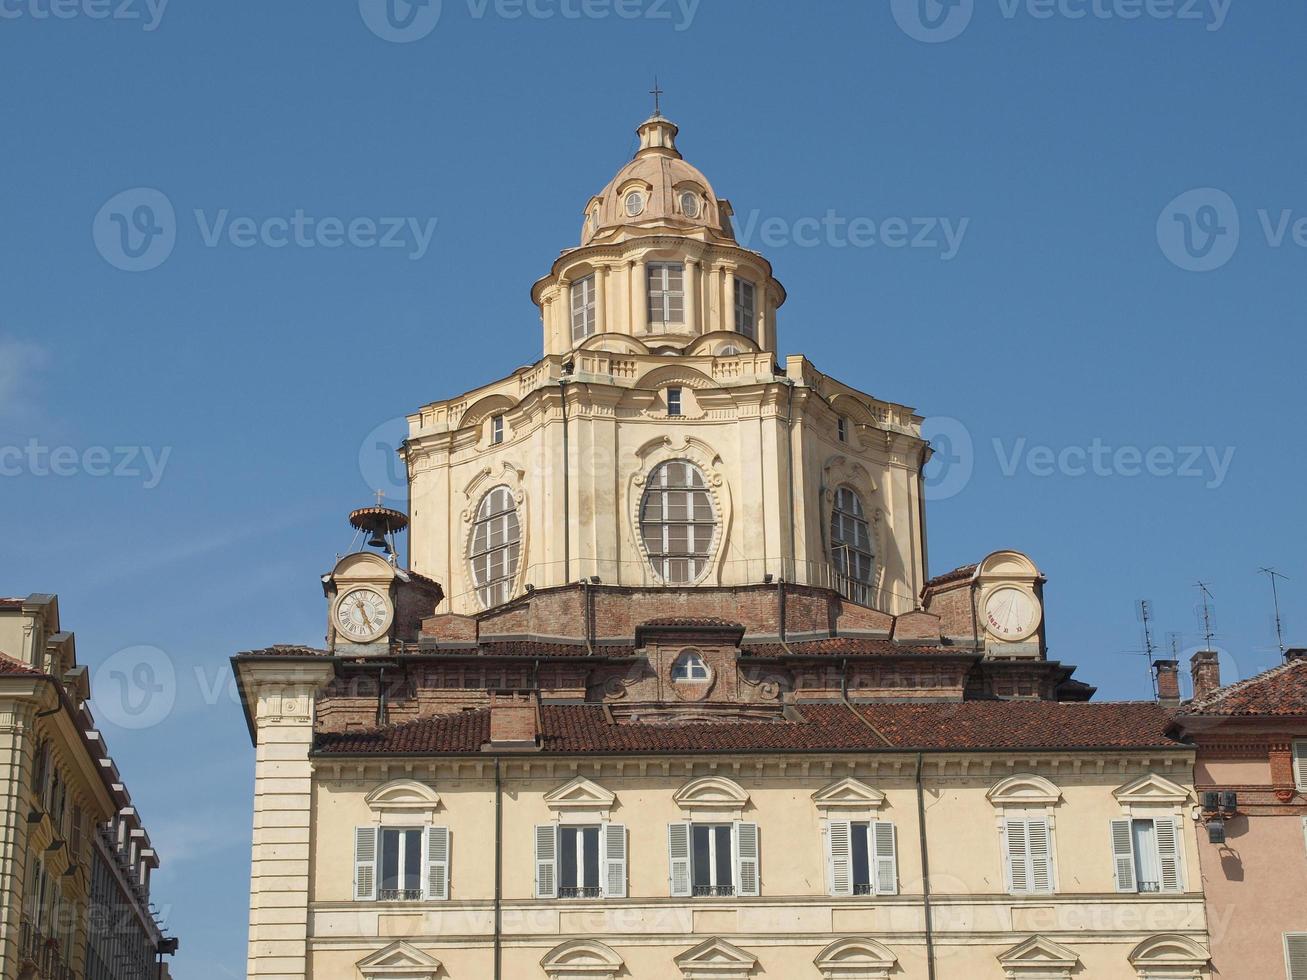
(634, 203)
(583, 308)
(674, 401)
(496, 430)
(690, 204)
(666, 293)
(745, 308)
(842, 428)
(689, 666)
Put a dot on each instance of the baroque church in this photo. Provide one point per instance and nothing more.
(665, 689)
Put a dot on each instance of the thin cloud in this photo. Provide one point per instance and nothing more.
(20, 362)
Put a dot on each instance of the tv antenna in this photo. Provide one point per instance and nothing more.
(1272, 574)
(1207, 614)
(1146, 617)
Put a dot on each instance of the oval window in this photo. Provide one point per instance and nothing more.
(634, 203)
(689, 666)
(690, 204)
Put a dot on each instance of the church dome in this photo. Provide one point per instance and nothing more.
(657, 193)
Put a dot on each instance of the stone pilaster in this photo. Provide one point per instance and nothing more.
(17, 719)
(281, 699)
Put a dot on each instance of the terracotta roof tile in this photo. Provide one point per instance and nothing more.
(286, 650)
(964, 572)
(9, 602)
(1279, 692)
(852, 646)
(8, 665)
(712, 622)
(938, 726)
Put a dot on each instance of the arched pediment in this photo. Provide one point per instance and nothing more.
(710, 342)
(1151, 789)
(843, 403)
(712, 795)
(613, 343)
(716, 959)
(483, 408)
(1038, 959)
(676, 373)
(582, 959)
(1169, 956)
(399, 961)
(848, 794)
(403, 796)
(1008, 564)
(855, 959)
(1024, 790)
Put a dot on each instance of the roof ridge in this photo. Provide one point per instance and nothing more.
(1222, 693)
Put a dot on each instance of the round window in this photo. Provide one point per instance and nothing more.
(634, 203)
(690, 204)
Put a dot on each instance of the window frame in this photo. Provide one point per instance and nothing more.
(493, 590)
(1026, 819)
(845, 556)
(715, 888)
(699, 665)
(497, 429)
(401, 871)
(584, 306)
(697, 558)
(842, 429)
(1177, 824)
(666, 306)
(1288, 956)
(634, 193)
(581, 889)
(1298, 758)
(675, 402)
(746, 314)
(698, 204)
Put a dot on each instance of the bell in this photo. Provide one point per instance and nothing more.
(379, 540)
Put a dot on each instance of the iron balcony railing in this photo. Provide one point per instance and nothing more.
(399, 895)
(43, 952)
(578, 891)
(706, 890)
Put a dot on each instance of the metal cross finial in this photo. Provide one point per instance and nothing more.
(657, 93)
(381, 495)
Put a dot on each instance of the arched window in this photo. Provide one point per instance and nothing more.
(495, 548)
(689, 666)
(677, 522)
(850, 543)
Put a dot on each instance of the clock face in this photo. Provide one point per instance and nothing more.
(362, 614)
(1011, 614)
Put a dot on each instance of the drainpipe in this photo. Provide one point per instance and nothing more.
(588, 615)
(789, 475)
(921, 518)
(780, 591)
(567, 505)
(498, 872)
(925, 873)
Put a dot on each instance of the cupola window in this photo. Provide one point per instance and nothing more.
(583, 308)
(673, 401)
(842, 428)
(496, 430)
(634, 203)
(689, 666)
(850, 545)
(745, 308)
(690, 204)
(495, 547)
(666, 293)
(677, 522)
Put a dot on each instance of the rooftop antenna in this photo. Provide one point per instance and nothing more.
(658, 94)
(1207, 614)
(1146, 617)
(1272, 574)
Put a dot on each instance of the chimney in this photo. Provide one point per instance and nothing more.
(1295, 655)
(1206, 672)
(514, 724)
(1168, 681)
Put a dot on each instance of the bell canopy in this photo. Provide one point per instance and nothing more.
(658, 192)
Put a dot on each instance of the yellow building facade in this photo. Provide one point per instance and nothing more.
(665, 691)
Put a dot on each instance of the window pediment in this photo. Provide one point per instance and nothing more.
(407, 797)
(582, 958)
(399, 961)
(1151, 790)
(580, 797)
(716, 959)
(847, 795)
(712, 796)
(1167, 957)
(855, 959)
(1038, 959)
(1024, 790)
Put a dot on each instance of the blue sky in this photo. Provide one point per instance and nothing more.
(1071, 319)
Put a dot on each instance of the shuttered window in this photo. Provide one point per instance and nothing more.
(401, 864)
(666, 293)
(861, 858)
(713, 859)
(1028, 855)
(1147, 855)
(1300, 765)
(365, 864)
(580, 861)
(583, 308)
(1295, 955)
(745, 308)
(437, 863)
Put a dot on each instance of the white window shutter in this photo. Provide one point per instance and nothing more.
(678, 855)
(1123, 856)
(1168, 853)
(1295, 955)
(746, 859)
(839, 857)
(1039, 840)
(1016, 856)
(885, 858)
(1300, 765)
(437, 862)
(547, 860)
(614, 860)
(365, 864)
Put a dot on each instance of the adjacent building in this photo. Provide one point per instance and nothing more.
(75, 860)
(1251, 779)
(665, 690)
